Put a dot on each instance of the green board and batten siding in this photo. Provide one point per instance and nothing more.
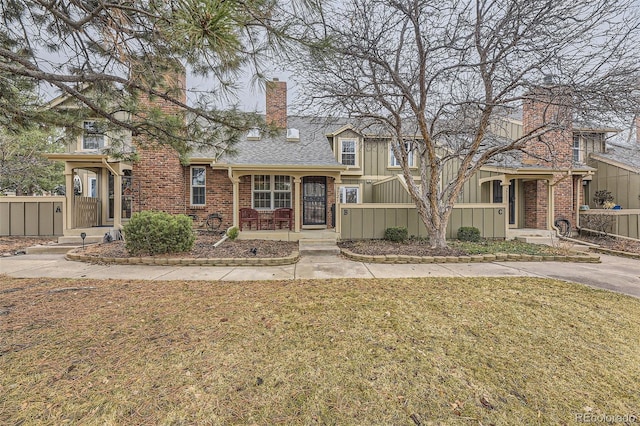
(367, 221)
(31, 216)
(623, 184)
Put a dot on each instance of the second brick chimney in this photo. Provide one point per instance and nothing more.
(276, 102)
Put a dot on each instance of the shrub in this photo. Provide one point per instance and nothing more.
(398, 234)
(232, 233)
(602, 196)
(153, 232)
(469, 233)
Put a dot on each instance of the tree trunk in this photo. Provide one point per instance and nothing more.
(438, 236)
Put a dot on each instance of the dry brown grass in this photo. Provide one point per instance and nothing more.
(411, 351)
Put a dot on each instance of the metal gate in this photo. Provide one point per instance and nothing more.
(314, 200)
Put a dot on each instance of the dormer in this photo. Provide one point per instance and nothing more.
(347, 145)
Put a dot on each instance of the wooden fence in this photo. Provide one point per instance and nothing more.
(369, 221)
(86, 212)
(624, 223)
(33, 216)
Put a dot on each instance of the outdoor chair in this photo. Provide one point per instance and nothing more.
(283, 215)
(248, 215)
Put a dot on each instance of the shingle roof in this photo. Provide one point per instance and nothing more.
(312, 149)
(628, 155)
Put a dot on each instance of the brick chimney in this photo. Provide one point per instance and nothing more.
(549, 108)
(276, 93)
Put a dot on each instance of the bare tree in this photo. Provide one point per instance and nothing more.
(443, 74)
(123, 50)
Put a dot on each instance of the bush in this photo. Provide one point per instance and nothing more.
(469, 233)
(232, 233)
(152, 232)
(396, 234)
(602, 196)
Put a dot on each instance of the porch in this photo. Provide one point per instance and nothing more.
(286, 235)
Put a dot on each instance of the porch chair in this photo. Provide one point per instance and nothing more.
(283, 215)
(249, 215)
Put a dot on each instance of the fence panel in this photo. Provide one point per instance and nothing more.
(31, 216)
(624, 223)
(369, 221)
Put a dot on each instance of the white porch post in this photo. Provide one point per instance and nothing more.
(298, 205)
(236, 200)
(117, 200)
(68, 177)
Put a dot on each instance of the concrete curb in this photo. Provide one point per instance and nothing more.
(167, 261)
(477, 258)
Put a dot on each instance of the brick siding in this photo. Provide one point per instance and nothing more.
(276, 103)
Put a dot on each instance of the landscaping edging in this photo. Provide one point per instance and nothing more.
(476, 258)
(626, 254)
(188, 261)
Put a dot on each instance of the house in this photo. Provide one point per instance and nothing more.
(334, 174)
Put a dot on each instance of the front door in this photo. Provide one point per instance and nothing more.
(512, 203)
(314, 200)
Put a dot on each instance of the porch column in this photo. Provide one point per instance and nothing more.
(236, 200)
(117, 200)
(68, 178)
(296, 208)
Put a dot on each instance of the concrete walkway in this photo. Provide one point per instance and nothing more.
(614, 273)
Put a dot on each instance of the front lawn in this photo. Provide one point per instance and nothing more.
(402, 352)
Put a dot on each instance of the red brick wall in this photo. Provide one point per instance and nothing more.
(536, 204)
(218, 193)
(276, 103)
(331, 199)
(549, 108)
(160, 177)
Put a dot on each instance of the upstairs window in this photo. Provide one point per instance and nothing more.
(409, 146)
(198, 186)
(577, 150)
(92, 136)
(348, 152)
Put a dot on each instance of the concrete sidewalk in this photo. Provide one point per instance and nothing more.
(614, 273)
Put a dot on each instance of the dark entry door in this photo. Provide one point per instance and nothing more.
(314, 200)
(512, 202)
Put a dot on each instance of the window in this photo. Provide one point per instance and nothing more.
(349, 194)
(93, 188)
(271, 192)
(577, 152)
(409, 146)
(92, 137)
(497, 191)
(348, 152)
(198, 186)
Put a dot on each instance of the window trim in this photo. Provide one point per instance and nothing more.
(341, 153)
(412, 156)
(101, 145)
(342, 193)
(272, 191)
(192, 186)
(577, 151)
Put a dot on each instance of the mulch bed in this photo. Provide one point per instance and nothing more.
(203, 248)
(409, 248)
(612, 243)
